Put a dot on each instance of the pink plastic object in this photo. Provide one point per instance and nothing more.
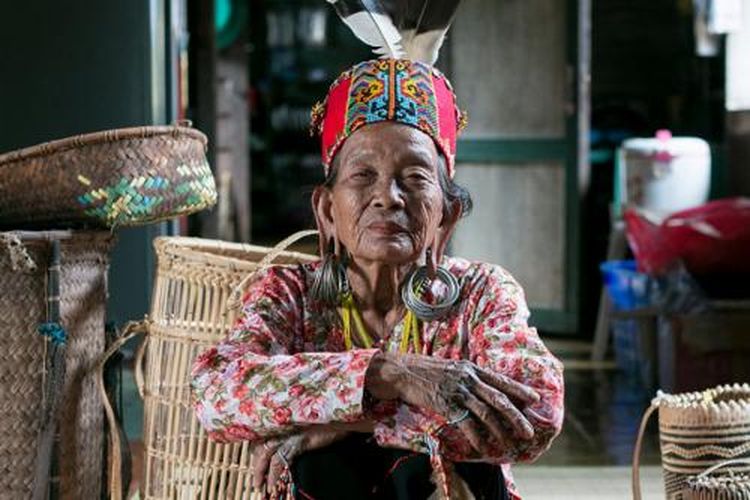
(664, 136)
(710, 239)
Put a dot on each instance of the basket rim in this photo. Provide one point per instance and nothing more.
(104, 136)
(190, 247)
(27, 236)
(705, 398)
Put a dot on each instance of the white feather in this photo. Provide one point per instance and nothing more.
(423, 47)
(377, 31)
(422, 25)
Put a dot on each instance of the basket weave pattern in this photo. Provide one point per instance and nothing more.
(190, 311)
(84, 263)
(114, 178)
(700, 429)
(734, 487)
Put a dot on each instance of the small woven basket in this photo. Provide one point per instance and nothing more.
(708, 486)
(192, 309)
(121, 177)
(83, 265)
(698, 430)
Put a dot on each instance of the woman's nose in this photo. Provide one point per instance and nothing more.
(389, 195)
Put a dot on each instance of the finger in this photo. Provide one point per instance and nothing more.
(470, 432)
(281, 460)
(261, 459)
(275, 470)
(505, 408)
(501, 406)
(464, 368)
(512, 388)
(486, 416)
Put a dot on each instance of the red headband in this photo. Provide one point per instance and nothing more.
(399, 90)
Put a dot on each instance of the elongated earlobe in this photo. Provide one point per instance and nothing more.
(430, 263)
(325, 227)
(445, 231)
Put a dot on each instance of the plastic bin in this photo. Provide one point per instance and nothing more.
(666, 174)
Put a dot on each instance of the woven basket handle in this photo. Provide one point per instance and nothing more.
(115, 445)
(714, 468)
(140, 355)
(235, 299)
(636, 475)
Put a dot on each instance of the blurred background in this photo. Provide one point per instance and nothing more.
(553, 89)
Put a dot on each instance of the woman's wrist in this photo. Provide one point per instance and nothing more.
(381, 380)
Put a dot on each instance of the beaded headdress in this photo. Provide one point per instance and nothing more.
(402, 86)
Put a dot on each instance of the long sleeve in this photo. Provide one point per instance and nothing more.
(254, 385)
(499, 339)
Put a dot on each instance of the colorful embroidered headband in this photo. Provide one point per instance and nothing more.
(398, 90)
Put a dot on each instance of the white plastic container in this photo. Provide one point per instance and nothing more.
(665, 174)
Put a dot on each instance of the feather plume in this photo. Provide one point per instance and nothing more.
(414, 29)
(423, 25)
(370, 23)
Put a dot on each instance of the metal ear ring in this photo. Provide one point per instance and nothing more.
(417, 283)
(330, 281)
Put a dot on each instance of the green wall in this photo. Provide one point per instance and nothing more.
(80, 66)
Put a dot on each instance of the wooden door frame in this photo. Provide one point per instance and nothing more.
(572, 150)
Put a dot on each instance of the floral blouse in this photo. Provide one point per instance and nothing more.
(284, 366)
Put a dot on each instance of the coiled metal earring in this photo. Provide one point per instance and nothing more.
(330, 282)
(417, 282)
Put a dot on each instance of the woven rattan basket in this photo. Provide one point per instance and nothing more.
(191, 310)
(83, 263)
(708, 485)
(120, 177)
(698, 430)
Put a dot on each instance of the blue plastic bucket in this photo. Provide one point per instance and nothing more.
(628, 288)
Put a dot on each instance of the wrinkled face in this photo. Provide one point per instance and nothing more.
(386, 204)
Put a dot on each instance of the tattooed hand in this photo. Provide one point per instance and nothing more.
(452, 387)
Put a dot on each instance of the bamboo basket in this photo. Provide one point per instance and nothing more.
(83, 265)
(707, 486)
(698, 430)
(192, 308)
(121, 177)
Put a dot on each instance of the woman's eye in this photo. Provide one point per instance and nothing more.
(417, 177)
(362, 175)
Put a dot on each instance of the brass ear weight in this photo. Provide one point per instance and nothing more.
(330, 282)
(417, 283)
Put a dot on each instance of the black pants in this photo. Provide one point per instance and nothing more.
(357, 468)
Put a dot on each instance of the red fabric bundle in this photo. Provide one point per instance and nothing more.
(710, 239)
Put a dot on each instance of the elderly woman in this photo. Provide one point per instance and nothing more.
(387, 370)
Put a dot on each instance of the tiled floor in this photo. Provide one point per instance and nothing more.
(586, 483)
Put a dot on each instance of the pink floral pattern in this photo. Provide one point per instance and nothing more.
(284, 366)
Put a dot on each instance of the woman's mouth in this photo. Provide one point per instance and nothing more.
(387, 228)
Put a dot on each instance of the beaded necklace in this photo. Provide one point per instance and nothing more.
(350, 316)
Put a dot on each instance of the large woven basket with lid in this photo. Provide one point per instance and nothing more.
(121, 177)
